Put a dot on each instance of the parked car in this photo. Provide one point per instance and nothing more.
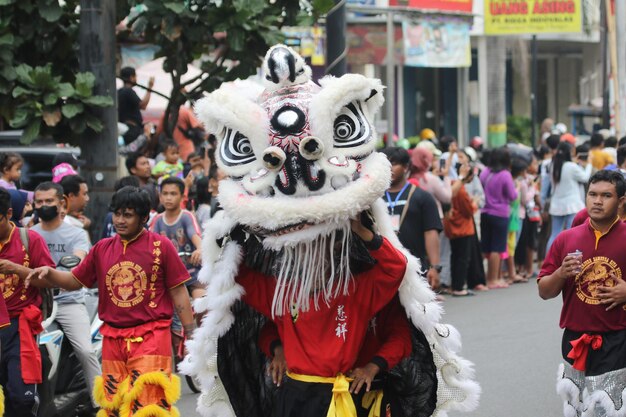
(38, 157)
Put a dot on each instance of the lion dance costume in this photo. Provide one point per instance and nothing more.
(301, 163)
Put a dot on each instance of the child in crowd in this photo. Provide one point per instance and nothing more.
(171, 165)
(11, 165)
(527, 243)
(180, 226)
(518, 213)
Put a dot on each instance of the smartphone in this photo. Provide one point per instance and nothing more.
(442, 164)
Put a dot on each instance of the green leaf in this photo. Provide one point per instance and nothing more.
(175, 6)
(19, 91)
(322, 6)
(6, 2)
(31, 132)
(84, 84)
(236, 39)
(78, 125)
(23, 72)
(7, 39)
(251, 7)
(94, 123)
(99, 101)
(49, 99)
(50, 11)
(72, 109)
(20, 118)
(8, 72)
(65, 90)
(42, 77)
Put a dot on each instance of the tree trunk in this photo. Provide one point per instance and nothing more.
(99, 150)
(496, 79)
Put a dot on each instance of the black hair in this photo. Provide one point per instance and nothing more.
(622, 141)
(131, 160)
(553, 141)
(614, 177)
(582, 148)
(169, 144)
(563, 155)
(126, 73)
(173, 180)
(444, 143)
(5, 201)
(203, 196)
(621, 155)
(49, 185)
(8, 159)
(194, 155)
(397, 155)
(541, 151)
(596, 140)
(499, 159)
(610, 142)
(129, 180)
(71, 184)
(518, 165)
(133, 198)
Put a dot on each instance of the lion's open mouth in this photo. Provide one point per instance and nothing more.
(292, 228)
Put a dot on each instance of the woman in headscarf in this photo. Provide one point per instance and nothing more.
(421, 163)
(19, 200)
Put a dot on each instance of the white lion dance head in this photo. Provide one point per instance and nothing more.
(300, 162)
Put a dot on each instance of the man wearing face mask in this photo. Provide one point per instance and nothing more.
(64, 239)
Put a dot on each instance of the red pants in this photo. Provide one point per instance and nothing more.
(137, 375)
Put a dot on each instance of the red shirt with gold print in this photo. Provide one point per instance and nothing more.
(14, 294)
(133, 278)
(603, 263)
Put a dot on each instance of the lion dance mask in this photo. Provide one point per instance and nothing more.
(300, 162)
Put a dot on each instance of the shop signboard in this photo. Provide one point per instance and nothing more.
(447, 5)
(437, 42)
(307, 41)
(367, 44)
(515, 17)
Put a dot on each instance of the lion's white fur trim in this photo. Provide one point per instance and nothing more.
(587, 404)
(222, 292)
(336, 207)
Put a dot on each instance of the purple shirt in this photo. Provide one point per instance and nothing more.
(499, 192)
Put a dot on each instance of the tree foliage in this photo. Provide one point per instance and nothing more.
(43, 92)
(227, 37)
(41, 89)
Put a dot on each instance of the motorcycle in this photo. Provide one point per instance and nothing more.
(64, 392)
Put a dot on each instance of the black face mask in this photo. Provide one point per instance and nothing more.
(47, 213)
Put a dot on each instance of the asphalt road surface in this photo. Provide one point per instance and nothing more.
(513, 338)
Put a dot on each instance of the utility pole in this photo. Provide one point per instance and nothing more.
(391, 79)
(620, 31)
(336, 51)
(535, 140)
(99, 150)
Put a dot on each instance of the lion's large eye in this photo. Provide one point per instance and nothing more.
(236, 149)
(351, 127)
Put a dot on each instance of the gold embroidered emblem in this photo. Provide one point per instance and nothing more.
(595, 273)
(11, 281)
(126, 283)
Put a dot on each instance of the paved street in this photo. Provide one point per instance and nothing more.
(513, 338)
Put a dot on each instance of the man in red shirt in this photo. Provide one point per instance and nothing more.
(20, 360)
(140, 280)
(586, 264)
(322, 345)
